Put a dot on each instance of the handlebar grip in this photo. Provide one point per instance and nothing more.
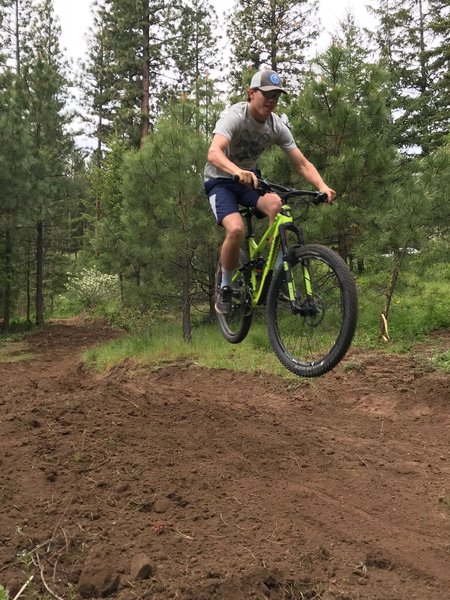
(321, 198)
(264, 186)
(237, 179)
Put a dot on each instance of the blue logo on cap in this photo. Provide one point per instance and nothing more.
(274, 79)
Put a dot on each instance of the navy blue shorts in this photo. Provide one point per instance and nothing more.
(225, 196)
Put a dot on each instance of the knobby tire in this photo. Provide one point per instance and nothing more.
(313, 338)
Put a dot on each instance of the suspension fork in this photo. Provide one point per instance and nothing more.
(287, 259)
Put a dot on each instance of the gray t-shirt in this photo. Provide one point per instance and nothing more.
(248, 138)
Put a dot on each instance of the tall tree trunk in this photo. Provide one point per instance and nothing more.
(212, 285)
(40, 274)
(29, 260)
(186, 297)
(99, 145)
(137, 276)
(343, 246)
(145, 105)
(18, 64)
(8, 279)
(423, 62)
(122, 291)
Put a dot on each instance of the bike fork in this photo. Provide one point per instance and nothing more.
(288, 259)
(305, 306)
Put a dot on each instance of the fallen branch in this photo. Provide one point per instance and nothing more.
(384, 332)
(41, 569)
(22, 589)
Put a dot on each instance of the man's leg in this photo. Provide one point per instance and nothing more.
(270, 205)
(234, 233)
(229, 259)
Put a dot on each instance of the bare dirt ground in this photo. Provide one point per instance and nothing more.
(199, 485)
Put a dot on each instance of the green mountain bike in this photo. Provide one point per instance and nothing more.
(311, 300)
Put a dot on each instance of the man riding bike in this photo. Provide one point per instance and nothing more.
(241, 135)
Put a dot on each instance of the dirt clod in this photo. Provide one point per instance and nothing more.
(141, 568)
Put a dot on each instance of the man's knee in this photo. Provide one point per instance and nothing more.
(276, 205)
(270, 205)
(235, 232)
(234, 227)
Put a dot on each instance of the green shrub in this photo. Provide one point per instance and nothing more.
(135, 321)
(94, 289)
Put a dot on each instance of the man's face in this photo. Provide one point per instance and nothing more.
(262, 104)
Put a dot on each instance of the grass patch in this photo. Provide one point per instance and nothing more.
(208, 349)
(445, 501)
(155, 341)
(14, 351)
(419, 306)
(352, 365)
(3, 593)
(441, 361)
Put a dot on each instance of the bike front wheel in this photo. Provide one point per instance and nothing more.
(311, 335)
(236, 325)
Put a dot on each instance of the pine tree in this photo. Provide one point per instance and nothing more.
(404, 38)
(166, 209)
(193, 50)
(15, 200)
(341, 123)
(439, 57)
(193, 56)
(271, 34)
(94, 84)
(15, 154)
(12, 14)
(126, 63)
(417, 216)
(109, 239)
(46, 96)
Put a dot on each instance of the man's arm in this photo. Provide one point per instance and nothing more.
(218, 158)
(308, 171)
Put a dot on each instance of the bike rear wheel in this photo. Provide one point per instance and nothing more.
(236, 325)
(312, 337)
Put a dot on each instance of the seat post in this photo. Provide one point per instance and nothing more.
(248, 214)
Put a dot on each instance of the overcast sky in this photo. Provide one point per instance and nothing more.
(75, 19)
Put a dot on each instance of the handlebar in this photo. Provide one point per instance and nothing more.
(265, 186)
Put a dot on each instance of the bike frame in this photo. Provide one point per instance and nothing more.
(275, 237)
(311, 300)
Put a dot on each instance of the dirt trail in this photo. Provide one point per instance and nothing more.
(198, 485)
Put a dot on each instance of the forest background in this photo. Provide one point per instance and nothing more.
(124, 229)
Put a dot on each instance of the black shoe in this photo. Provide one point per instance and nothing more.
(223, 301)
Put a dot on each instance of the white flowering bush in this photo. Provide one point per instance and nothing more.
(93, 288)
